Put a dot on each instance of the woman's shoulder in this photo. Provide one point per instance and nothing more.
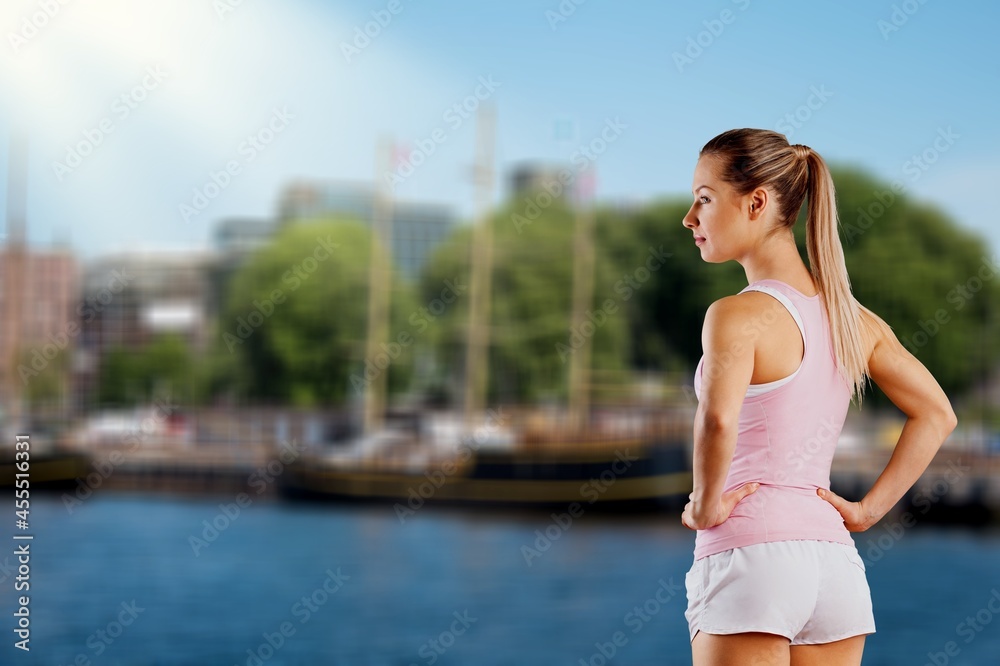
(729, 314)
(875, 331)
(739, 305)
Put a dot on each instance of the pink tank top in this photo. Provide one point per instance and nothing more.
(786, 441)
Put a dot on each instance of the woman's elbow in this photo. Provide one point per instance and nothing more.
(949, 420)
(942, 419)
(714, 422)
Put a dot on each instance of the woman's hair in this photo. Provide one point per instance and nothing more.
(752, 158)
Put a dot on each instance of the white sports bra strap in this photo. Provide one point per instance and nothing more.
(784, 301)
(757, 389)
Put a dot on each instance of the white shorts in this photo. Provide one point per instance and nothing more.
(806, 590)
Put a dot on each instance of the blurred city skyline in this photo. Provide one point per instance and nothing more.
(168, 96)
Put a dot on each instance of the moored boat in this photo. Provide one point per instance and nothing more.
(642, 467)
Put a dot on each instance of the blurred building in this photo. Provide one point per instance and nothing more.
(234, 240)
(238, 237)
(36, 307)
(417, 228)
(129, 298)
(529, 177)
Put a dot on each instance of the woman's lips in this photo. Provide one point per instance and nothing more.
(699, 240)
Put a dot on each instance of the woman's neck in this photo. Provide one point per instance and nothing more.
(779, 260)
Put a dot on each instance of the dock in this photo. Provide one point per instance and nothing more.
(960, 485)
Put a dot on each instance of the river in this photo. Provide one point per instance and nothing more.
(159, 580)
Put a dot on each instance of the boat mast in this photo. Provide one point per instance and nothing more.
(481, 269)
(583, 293)
(379, 267)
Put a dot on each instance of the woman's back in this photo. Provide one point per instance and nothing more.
(786, 440)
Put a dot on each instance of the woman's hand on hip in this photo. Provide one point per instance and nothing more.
(856, 516)
(718, 514)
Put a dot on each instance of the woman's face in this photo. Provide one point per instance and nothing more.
(716, 215)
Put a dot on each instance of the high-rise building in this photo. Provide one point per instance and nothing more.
(129, 298)
(41, 319)
(234, 240)
(529, 177)
(417, 228)
(237, 237)
(137, 295)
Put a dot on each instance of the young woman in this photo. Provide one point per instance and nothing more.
(776, 577)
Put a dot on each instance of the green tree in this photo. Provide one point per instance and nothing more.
(296, 317)
(531, 304)
(908, 262)
(164, 367)
(664, 320)
(929, 278)
(45, 384)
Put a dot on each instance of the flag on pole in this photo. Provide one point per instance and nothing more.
(400, 154)
(586, 184)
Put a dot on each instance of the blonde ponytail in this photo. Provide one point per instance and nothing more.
(827, 265)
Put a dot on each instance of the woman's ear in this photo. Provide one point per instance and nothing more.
(758, 201)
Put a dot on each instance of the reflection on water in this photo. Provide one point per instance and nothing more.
(118, 582)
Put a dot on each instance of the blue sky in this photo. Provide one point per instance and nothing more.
(280, 68)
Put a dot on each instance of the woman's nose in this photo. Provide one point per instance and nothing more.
(689, 219)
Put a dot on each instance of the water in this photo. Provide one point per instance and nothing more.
(445, 587)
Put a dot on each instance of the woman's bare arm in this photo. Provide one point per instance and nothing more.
(930, 419)
(726, 373)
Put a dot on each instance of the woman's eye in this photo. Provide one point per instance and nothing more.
(704, 199)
